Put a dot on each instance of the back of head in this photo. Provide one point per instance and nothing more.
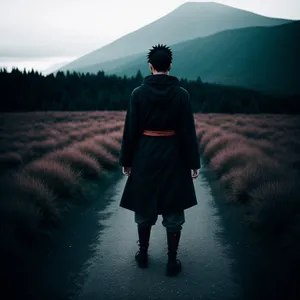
(160, 57)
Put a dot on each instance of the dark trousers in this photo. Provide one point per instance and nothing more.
(172, 222)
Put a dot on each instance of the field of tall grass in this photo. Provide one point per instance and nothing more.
(45, 160)
(46, 156)
(257, 161)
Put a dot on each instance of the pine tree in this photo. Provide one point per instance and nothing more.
(199, 80)
(139, 77)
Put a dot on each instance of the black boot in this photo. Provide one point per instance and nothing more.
(173, 265)
(142, 255)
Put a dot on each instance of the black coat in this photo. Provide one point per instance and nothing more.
(160, 180)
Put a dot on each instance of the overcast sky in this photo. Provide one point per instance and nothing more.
(55, 30)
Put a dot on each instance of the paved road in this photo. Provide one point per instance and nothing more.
(111, 273)
(94, 256)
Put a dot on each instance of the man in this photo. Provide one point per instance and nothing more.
(159, 150)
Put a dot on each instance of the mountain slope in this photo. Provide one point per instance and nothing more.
(265, 59)
(188, 21)
(53, 68)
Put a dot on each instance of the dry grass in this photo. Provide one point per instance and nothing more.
(42, 147)
(30, 190)
(261, 170)
(117, 135)
(104, 158)
(239, 182)
(111, 144)
(266, 146)
(275, 206)
(256, 158)
(208, 134)
(77, 160)
(217, 143)
(235, 155)
(60, 178)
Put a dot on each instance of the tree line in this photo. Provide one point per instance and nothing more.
(23, 91)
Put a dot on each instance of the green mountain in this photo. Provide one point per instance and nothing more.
(265, 59)
(188, 21)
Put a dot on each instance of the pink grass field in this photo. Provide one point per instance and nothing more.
(253, 156)
(44, 159)
(44, 156)
(243, 150)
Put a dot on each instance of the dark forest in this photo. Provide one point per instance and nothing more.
(23, 91)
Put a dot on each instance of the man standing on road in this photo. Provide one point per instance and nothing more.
(159, 150)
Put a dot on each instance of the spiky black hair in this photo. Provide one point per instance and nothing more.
(160, 57)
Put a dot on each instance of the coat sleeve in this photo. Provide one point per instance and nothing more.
(187, 134)
(130, 133)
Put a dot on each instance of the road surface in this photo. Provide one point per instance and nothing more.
(95, 258)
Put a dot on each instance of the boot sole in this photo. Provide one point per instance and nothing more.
(171, 272)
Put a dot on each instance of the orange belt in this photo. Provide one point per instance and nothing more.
(159, 132)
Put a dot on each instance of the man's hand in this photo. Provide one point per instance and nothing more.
(195, 173)
(126, 170)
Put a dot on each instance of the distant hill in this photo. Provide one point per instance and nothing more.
(53, 68)
(188, 21)
(265, 59)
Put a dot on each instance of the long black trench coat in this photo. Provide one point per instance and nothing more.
(160, 181)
